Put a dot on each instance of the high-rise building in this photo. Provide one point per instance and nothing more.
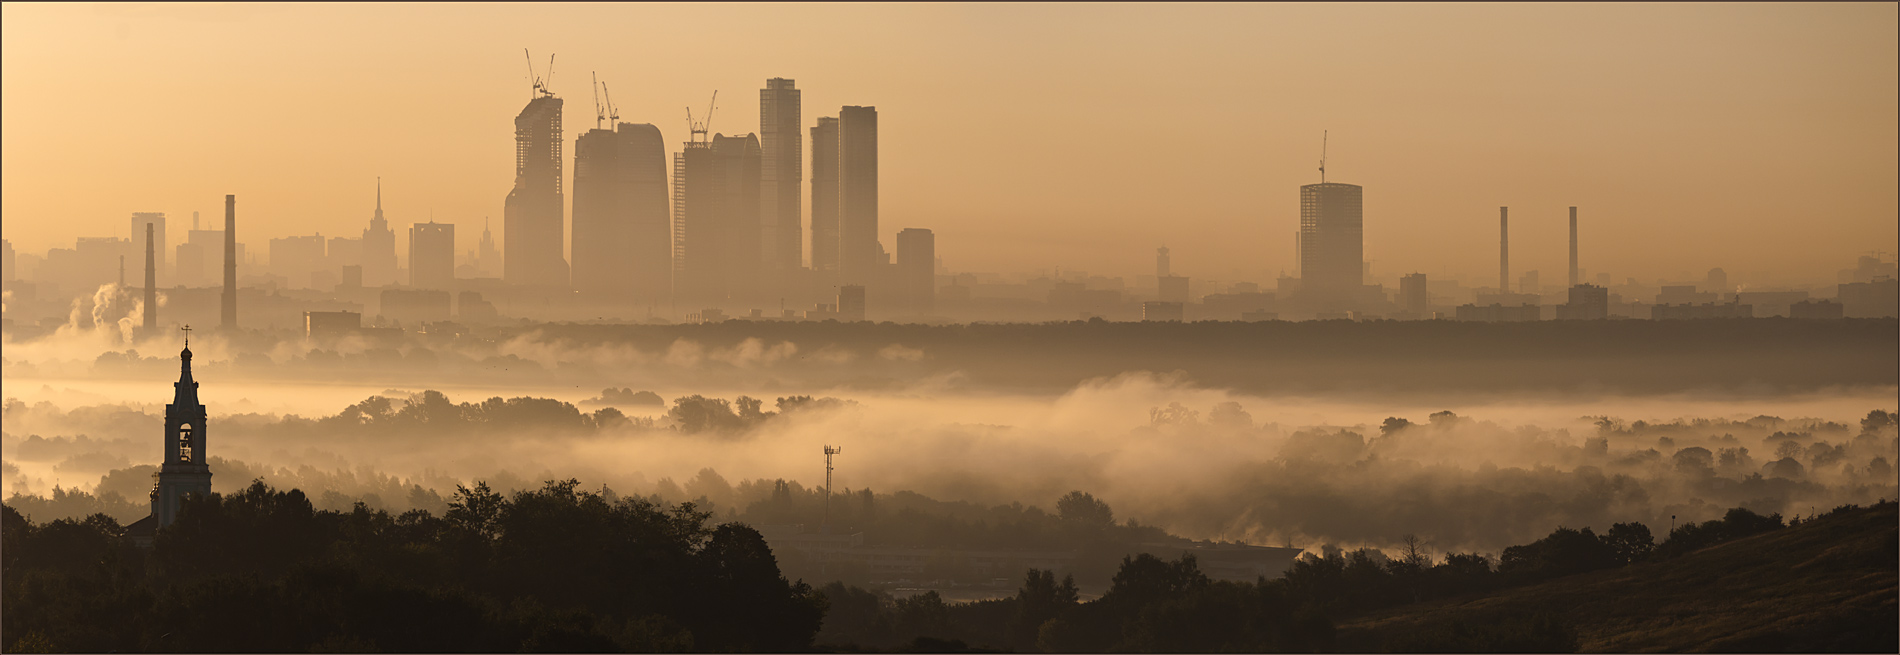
(716, 222)
(9, 262)
(488, 257)
(432, 255)
(1413, 298)
(1173, 288)
(533, 217)
(917, 269)
(296, 257)
(824, 195)
(851, 302)
(379, 247)
(781, 174)
(162, 245)
(1530, 282)
(622, 255)
(857, 194)
(1332, 244)
(1587, 302)
(1163, 267)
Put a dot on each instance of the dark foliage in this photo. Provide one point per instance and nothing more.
(551, 570)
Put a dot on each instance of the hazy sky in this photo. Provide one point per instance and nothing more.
(1754, 137)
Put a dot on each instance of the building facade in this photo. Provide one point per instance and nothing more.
(432, 255)
(534, 214)
(857, 195)
(1332, 244)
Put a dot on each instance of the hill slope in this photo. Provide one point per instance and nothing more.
(1827, 585)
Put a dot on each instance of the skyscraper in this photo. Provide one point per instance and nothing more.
(824, 195)
(917, 269)
(621, 232)
(1575, 275)
(857, 194)
(1504, 250)
(1332, 244)
(533, 217)
(487, 257)
(781, 172)
(151, 280)
(379, 247)
(1163, 267)
(162, 245)
(432, 256)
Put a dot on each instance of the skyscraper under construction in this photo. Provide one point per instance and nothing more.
(1332, 245)
(533, 216)
(716, 237)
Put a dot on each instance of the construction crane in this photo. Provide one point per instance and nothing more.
(540, 85)
(697, 131)
(1322, 156)
(613, 114)
(600, 114)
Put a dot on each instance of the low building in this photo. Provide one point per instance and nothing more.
(1817, 309)
(331, 325)
(1705, 310)
(1156, 310)
(1498, 313)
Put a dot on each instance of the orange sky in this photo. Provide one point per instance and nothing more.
(1759, 137)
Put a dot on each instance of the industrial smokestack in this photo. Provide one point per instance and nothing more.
(151, 283)
(230, 262)
(1504, 250)
(1573, 247)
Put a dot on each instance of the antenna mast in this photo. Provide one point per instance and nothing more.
(825, 527)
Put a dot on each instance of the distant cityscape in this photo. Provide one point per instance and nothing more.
(722, 238)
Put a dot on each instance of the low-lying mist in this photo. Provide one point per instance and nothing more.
(1200, 462)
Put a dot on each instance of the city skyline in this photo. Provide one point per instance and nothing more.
(1641, 196)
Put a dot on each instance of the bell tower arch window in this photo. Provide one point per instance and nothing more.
(184, 442)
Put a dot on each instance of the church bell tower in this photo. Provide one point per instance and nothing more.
(184, 470)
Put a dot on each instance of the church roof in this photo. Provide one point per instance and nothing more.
(187, 388)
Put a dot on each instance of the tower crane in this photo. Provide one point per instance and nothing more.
(701, 129)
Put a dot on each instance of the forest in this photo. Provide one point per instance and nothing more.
(561, 569)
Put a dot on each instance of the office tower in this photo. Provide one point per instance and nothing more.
(917, 269)
(1173, 288)
(1504, 250)
(228, 307)
(781, 172)
(1576, 276)
(824, 195)
(296, 257)
(622, 255)
(716, 221)
(151, 280)
(379, 247)
(488, 258)
(533, 216)
(1163, 268)
(851, 302)
(432, 255)
(1413, 298)
(163, 244)
(1332, 244)
(857, 194)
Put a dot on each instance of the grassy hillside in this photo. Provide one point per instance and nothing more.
(1827, 585)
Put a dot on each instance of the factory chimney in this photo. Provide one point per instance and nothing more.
(151, 283)
(1504, 250)
(230, 263)
(1573, 247)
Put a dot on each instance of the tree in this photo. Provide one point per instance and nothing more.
(1630, 541)
(1084, 509)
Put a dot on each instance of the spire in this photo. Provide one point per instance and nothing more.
(186, 396)
(379, 194)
